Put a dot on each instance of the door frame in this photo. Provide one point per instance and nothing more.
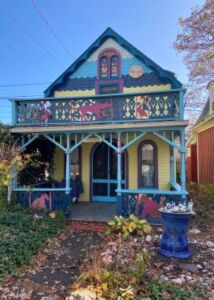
(91, 169)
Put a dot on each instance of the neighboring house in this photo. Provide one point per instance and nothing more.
(113, 117)
(200, 147)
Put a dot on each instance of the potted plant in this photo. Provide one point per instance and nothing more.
(175, 220)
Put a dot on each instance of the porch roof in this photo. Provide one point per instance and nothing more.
(99, 127)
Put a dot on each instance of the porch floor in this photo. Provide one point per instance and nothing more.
(93, 211)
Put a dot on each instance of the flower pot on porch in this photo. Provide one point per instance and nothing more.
(174, 242)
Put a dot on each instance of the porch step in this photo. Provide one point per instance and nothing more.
(88, 226)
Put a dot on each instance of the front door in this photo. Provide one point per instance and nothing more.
(104, 173)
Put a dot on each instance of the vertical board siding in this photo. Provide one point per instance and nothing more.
(192, 163)
(206, 156)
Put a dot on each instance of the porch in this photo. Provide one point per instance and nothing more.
(120, 171)
(93, 211)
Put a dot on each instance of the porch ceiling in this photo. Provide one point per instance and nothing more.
(98, 127)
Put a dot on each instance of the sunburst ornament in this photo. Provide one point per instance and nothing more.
(136, 71)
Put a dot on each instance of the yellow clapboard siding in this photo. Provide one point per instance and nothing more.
(86, 156)
(163, 165)
(74, 93)
(147, 88)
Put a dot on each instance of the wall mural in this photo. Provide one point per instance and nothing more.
(34, 111)
(117, 108)
(146, 206)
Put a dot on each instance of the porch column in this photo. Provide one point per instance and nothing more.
(183, 161)
(68, 165)
(172, 165)
(119, 176)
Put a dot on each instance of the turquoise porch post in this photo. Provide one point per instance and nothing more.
(172, 165)
(68, 165)
(119, 175)
(183, 161)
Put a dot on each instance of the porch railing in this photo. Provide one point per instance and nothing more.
(146, 205)
(166, 105)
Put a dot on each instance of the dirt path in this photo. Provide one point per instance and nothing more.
(54, 269)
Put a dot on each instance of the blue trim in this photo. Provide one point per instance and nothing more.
(27, 189)
(98, 96)
(14, 113)
(176, 186)
(172, 166)
(110, 33)
(181, 105)
(104, 199)
(153, 191)
(183, 161)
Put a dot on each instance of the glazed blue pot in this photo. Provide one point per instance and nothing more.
(174, 242)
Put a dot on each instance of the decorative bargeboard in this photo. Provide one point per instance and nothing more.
(99, 109)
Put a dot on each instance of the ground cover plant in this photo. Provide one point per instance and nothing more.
(120, 270)
(22, 235)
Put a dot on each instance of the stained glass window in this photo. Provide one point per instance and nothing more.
(104, 67)
(114, 66)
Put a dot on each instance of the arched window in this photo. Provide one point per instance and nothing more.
(147, 164)
(103, 67)
(114, 70)
(109, 64)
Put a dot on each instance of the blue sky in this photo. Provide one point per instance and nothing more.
(150, 25)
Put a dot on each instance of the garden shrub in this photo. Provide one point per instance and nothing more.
(202, 196)
(131, 226)
(21, 236)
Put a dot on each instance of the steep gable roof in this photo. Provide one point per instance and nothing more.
(110, 33)
(205, 112)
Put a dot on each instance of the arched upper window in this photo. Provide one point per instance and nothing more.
(104, 67)
(114, 67)
(109, 64)
(147, 162)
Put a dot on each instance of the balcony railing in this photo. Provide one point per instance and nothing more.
(98, 109)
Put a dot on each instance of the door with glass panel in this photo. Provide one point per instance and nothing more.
(104, 173)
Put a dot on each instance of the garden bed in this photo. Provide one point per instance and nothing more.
(22, 234)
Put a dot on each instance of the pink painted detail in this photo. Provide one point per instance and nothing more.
(44, 111)
(39, 203)
(96, 109)
(151, 207)
(45, 116)
(140, 111)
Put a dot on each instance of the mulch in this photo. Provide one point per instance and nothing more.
(57, 266)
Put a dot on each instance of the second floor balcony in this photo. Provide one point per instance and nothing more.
(140, 107)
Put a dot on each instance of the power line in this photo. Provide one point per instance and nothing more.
(25, 30)
(26, 58)
(23, 84)
(44, 18)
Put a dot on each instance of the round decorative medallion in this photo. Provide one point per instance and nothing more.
(136, 71)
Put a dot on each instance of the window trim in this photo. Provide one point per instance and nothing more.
(101, 55)
(100, 83)
(80, 161)
(139, 160)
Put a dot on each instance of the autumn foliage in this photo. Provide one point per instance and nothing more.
(196, 41)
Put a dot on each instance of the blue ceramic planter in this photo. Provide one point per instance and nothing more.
(174, 242)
